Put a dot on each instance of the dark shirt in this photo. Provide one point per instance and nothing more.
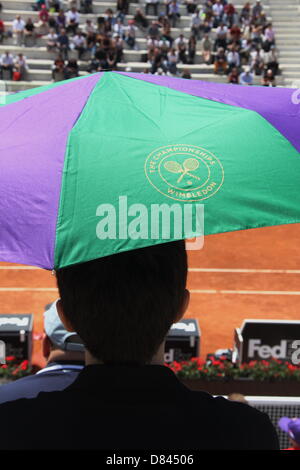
(56, 376)
(132, 407)
(63, 40)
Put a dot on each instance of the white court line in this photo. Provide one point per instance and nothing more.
(17, 268)
(246, 292)
(237, 270)
(193, 291)
(192, 270)
(28, 289)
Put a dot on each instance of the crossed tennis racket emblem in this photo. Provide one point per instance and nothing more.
(189, 165)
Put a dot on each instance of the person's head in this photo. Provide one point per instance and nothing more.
(122, 306)
(58, 343)
(292, 427)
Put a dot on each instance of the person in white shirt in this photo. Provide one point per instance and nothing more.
(218, 11)
(89, 27)
(79, 44)
(119, 28)
(51, 39)
(181, 41)
(18, 27)
(72, 20)
(233, 59)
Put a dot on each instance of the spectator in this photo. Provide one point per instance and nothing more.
(141, 20)
(191, 6)
(153, 31)
(2, 30)
(192, 44)
(154, 6)
(245, 50)
(58, 69)
(20, 68)
(86, 6)
(173, 13)
(130, 34)
(122, 8)
(94, 66)
(55, 5)
(43, 14)
(119, 28)
(29, 30)
(221, 37)
(72, 21)
(229, 14)
(245, 13)
(89, 27)
(157, 61)
(71, 69)
(196, 24)
(64, 355)
(122, 309)
(172, 59)
(186, 74)
(18, 27)
(63, 44)
(233, 76)
(292, 427)
(271, 60)
(6, 64)
(268, 78)
(220, 61)
(181, 41)
(269, 36)
(218, 10)
(235, 34)
(233, 59)
(257, 61)
(79, 43)
(182, 56)
(257, 9)
(52, 41)
(109, 19)
(118, 47)
(246, 77)
(61, 20)
(206, 49)
(38, 5)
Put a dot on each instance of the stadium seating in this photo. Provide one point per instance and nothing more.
(285, 15)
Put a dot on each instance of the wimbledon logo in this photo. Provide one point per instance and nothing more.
(184, 172)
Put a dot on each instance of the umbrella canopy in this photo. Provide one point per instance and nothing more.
(71, 152)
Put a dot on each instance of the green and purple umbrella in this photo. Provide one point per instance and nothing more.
(110, 138)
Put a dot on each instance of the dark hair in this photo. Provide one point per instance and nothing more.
(123, 305)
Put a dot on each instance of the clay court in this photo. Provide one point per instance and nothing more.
(248, 274)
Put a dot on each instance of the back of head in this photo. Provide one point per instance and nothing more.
(123, 305)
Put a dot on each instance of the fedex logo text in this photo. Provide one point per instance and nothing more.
(280, 351)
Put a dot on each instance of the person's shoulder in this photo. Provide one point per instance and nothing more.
(251, 427)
